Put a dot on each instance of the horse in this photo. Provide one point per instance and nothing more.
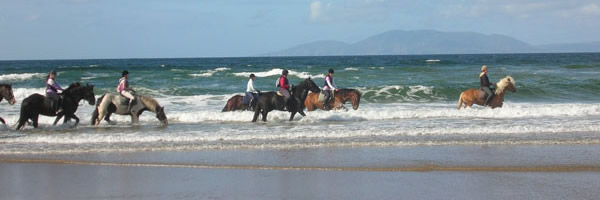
(236, 102)
(341, 97)
(110, 103)
(271, 101)
(476, 96)
(6, 93)
(37, 104)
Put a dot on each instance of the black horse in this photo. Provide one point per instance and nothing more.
(6, 93)
(37, 104)
(271, 101)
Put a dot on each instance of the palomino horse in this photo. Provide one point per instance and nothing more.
(109, 104)
(37, 104)
(271, 101)
(341, 97)
(6, 93)
(475, 96)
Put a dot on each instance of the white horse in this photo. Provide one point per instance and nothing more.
(110, 103)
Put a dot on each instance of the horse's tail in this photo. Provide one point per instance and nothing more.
(460, 100)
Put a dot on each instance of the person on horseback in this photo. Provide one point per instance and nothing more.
(284, 87)
(328, 86)
(484, 84)
(251, 93)
(124, 89)
(52, 91)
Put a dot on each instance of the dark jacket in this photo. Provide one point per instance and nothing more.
(484, 81)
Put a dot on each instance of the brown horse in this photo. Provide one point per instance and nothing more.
(341, 97)
(475, 96)
(235, 103)
(6, 93)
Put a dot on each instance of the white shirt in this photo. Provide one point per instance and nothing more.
(250, 87)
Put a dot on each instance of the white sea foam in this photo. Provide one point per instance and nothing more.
(20, 77)
(222, 69)
(205, 74)
(351, 69)
(277, 72)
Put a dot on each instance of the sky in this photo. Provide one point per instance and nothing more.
(85, 29)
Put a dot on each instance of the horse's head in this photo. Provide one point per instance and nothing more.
(352, 95)
(507, 83)
(88, 94)
(81, 91)
(160, 114)
(7, 93)
(310, 85)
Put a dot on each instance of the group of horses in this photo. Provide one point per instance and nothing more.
(107, 104)
(301, 99)
(36, 104)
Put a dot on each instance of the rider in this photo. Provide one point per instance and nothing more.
(327, 87)
(284, 87)
(251, 92)
(52, 91)
(124, 88)
(484, 84)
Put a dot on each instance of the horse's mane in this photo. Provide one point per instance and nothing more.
(345, 91)
(503, 83)
(149, 102)
(73, 86)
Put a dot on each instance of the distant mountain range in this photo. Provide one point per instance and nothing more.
(399, 42)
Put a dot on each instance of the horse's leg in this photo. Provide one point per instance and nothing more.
(264, 115)
(256, 113)
(134, 118)
(76, 119)
(34, 120)
(292, 116)
(107, 117)
(2, 120)
(302, 113)
(60, 115)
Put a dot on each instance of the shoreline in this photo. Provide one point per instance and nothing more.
(422, 172)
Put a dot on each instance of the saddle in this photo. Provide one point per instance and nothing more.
(125, 101)
(279, 94)
(482, 95)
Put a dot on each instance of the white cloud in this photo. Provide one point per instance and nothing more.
(315, 10)
(591, 9)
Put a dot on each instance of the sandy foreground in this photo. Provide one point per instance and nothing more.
(418, 172)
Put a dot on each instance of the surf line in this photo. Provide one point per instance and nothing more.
(421, 168)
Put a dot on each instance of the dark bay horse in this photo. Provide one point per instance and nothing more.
(476, 96)
(234, 103)
(341, 97)
(6, 93)
(37, 104)
(271, 101)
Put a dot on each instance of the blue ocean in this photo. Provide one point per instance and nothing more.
(406, 100)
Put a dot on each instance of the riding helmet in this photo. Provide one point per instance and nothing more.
(125, 72)
(331, 71)
(284, 72)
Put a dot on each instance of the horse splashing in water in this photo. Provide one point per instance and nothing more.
(314, 101)
(110, 103)
(271, 101)
(476, 96)
(37, 104)
(6, 92)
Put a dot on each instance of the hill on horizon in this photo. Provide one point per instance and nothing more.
(399, 42)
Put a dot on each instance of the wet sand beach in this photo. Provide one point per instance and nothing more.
(417, 172)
